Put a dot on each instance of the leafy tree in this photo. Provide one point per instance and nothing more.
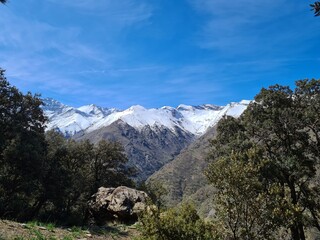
(22, 149)
(241, 203)
(108, 165)
(56, 177)
(3, 1)
(284, 126)
(73, 172)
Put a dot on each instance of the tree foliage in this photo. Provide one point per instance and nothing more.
(22, 147)
(275, 148)
(46, 175)
(316, 8)
(75, 171)
(242, 204)
(176, 223)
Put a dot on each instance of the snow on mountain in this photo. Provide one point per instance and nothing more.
(70, 120)
(192, 119)
(96, 110)
(198, 119)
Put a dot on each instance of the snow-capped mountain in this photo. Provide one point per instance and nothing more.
(70, 120)
(151, 137)
(191, 119)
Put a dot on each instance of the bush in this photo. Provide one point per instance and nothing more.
(176, 223)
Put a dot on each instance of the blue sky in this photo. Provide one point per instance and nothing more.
(118, 53)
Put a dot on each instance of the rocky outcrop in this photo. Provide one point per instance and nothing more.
(121, 203)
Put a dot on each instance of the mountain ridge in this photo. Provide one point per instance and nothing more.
(151, 137)
(194, 120)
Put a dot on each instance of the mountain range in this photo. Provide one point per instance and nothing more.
(151, 137)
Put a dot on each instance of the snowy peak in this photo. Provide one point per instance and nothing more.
(136, 108)
(49, 104)
(93, 109)
(191, 119)
(183, 107)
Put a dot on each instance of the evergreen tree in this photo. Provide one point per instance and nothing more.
(73, 172)
(241, 203)
(283, 125)
(22, 149)
(108, 166)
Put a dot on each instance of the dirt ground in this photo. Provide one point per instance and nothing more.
(36, 231)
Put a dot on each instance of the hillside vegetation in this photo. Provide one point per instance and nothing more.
(263, 170)
(184, 178)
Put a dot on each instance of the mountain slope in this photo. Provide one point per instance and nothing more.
(148, 149)
(184, 176)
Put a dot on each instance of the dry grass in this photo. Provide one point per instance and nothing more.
(10, 230)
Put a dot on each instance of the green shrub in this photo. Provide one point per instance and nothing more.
(176, 223)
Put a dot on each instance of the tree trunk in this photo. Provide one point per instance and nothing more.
(301, 231)
(34, 210)
(297, 231)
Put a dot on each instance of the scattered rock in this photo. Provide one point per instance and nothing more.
(24, 225)
(120, 203)
(42, 228)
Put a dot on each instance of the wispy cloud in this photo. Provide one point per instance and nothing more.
(121, 12)
(48, 57)
(32, 36)
(116, 71)
(153, 53)
(248, 26)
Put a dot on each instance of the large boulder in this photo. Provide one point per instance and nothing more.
(121, 203)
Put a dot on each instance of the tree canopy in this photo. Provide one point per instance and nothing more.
(22, 146)
(45, 174)
(264, 164)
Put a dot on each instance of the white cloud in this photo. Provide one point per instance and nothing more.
(124, 12)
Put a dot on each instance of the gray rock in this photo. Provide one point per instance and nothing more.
(121, 203)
